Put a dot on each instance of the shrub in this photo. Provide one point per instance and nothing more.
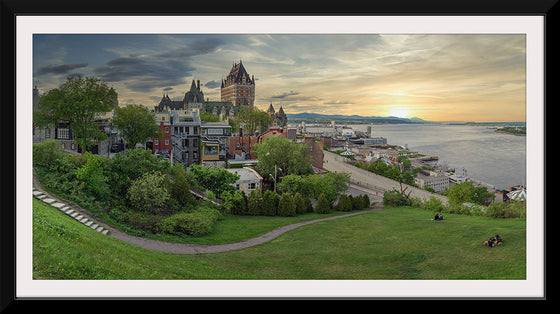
(344, 203)
(357, 202)
(322, 206)
(254, 204)
(394, 198)
(434, 204)
(286, 206)
(91, 173)
(270, 203)
(47, 153)
(197, 223)
(182, 190)
(300, 205)
(365, 201)
(239, 203)
(149, 193)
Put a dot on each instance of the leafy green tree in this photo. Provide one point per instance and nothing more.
(460, 193)
(288, 158)
(322, 206)
(136, 124)
(149, 193)
(214, 179)
(208, 117)
(253, 119)
(330, 184)
(78, 102)
(286, 206)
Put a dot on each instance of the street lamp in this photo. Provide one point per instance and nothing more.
(274, 178)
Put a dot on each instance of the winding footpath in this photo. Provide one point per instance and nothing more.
(174, 248)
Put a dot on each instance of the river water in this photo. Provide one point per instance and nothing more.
(498, 159)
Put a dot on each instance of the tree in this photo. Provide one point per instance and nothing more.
(344, 203)
(322, 206)
(300, 205)
(286, 206)
(135, 123)
(239, 203)
(287, 156)
(330, 184)
(77, 102)
(214, 179)
(253, 119)
(254, 203)
(270, 203)
(460, 193)
(182, 190)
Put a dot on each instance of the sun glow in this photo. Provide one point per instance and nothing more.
(399, 112)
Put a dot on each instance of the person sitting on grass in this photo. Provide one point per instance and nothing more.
(438, 217)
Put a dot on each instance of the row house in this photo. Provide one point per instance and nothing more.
(214, 138)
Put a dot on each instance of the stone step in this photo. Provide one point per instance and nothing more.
(105, 231)
(84, 220)
(74, 214)
(94, 226)
(41, 196)
(37, 193)
(69, 211)
(79, 217)
(89, 223)
(58, 205)
(99, 229)
(49, 200)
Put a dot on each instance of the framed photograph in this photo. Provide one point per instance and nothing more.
(456, 93)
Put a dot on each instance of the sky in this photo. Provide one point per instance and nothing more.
(435, 77)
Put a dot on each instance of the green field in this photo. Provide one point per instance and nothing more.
(395, 243)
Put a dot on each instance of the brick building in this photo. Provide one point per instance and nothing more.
(238, 87)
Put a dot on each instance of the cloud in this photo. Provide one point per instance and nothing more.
(60, 69)
(212, 84)
(285, 95)
(147, 71)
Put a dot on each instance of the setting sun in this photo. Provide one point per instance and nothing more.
(399, 112)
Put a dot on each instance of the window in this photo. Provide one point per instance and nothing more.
(166, 129)
(237, 186)
(166, 141)
(156, 141)
(63, 134)
(195, 142)
(252, 186)
(48, 133)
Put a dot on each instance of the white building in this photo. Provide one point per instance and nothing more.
(249, 180)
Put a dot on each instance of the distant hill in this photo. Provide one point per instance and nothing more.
(352, 118)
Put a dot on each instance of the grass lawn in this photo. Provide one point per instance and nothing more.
(395, 243)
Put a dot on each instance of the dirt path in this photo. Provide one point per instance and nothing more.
(183, 248)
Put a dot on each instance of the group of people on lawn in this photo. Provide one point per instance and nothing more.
(492, 242)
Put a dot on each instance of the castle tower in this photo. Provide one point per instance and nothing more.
(238, 87)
